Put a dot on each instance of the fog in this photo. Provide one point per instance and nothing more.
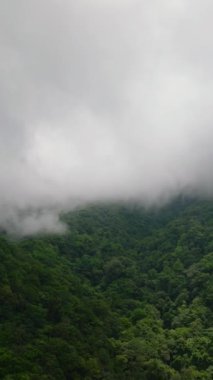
(102, 100)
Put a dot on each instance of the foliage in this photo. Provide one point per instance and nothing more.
(127, 293)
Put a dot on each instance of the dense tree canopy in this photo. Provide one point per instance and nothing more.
(126, 293)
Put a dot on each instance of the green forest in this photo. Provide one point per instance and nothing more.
(125, 294)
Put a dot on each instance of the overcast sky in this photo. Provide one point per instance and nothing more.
(102, 100)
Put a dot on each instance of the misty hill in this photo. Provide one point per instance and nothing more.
(125, 294)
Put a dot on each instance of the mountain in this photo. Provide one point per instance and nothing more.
(125, 294)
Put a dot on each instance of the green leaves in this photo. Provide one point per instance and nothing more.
(125, 294)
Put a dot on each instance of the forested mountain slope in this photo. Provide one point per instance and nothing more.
(126, 293)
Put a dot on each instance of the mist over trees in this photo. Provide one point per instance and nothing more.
(106, 188)
(101, 101)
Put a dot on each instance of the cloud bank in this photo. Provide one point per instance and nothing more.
(102, 100)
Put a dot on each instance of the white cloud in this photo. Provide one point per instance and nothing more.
(102, 100)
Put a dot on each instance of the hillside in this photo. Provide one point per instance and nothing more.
(125, 294)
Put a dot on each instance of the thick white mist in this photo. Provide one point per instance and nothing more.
(102, 100)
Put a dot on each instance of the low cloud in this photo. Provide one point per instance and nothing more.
(102, 100)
